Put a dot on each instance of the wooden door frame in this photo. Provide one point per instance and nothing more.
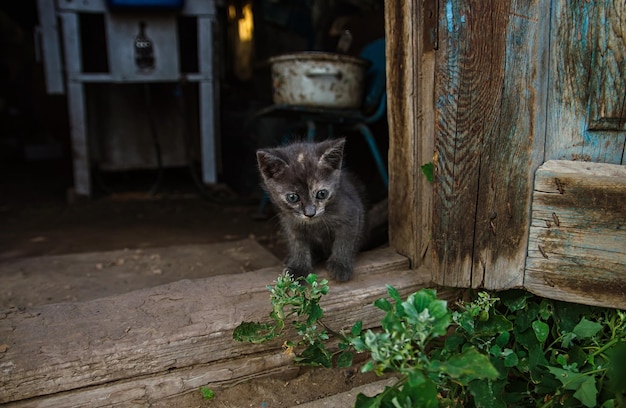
(411, 116)
(424, 111)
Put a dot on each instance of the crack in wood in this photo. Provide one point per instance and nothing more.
(543, 252)
(556, 220)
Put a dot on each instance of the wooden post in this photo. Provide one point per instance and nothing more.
(410, 84)
(490, 88)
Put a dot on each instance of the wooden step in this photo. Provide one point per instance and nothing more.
(150, 345)
(86, 276)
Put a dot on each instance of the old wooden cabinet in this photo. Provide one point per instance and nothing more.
(489, 91)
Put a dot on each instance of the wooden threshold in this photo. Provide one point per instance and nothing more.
(151, 345)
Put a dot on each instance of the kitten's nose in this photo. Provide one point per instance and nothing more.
(309, 210)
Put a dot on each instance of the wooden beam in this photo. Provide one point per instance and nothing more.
(577, 245)
(410, 84)
(151, 344)
(490, 93)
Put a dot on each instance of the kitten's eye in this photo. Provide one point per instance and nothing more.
(322, 195)
(293, 198)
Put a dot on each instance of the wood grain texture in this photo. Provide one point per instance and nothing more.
(587, 81)
(488, 140)
(577, 244)
(410, 83)
(607, 104)
(149, 344)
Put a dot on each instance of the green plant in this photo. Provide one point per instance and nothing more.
(410, 344)
(428, 170)
(207, 393)
(548, 353)
(292, 300)
(514, 350)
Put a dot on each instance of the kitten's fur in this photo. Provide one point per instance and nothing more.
(319, 205)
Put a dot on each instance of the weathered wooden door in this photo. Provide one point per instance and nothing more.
(516, 83)
(586, 112)
(577, 242)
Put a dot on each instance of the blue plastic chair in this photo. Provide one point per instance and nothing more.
(373, 109)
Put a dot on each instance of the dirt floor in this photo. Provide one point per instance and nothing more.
(140, 238)
(308, 385)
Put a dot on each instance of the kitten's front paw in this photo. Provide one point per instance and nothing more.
(339, 271)
(297, 272)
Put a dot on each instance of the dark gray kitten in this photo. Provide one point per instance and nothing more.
(319, 205)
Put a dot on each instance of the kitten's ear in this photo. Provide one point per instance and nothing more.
(270, 165)
(332, 154)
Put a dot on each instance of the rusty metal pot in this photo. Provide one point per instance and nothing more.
(318, 79)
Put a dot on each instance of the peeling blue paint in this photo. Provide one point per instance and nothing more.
(449, 16)
(462, 19)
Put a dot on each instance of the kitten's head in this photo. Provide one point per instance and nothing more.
(302, 178)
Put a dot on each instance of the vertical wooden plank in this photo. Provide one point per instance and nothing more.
(513, 151)
(463, 65)
(607, 107)
(587, 66)
(76, 103)
(489, 138)
(410, 83)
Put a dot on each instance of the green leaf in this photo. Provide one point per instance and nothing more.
(394, 294)
(315, 313)
(583, 384)
(487, 394)
(566, 339)
(536, 359)
(568, 314)
(428, 169)
(255, 332)
(465, 367)
(363, 401)
(409, 310)
(422, 395)
(357, 328)
(495, 350)
(439, 308)
(503, 339)
(541, 329)
(383, 304)
(423, 298)
(454, 342)
(416, 378)
(495, 325)
(466, 321)
(545, 309)
(524, 320)
(344, 359)
(315, 355)
(616, 373)
(311, 278)
(586, 329)
(206, 392)
(510, 358)
(369, 366)
(587, 392)
(358, 344)
(515, 299)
